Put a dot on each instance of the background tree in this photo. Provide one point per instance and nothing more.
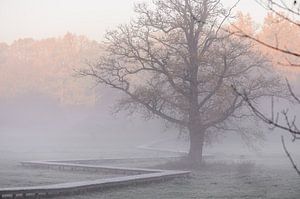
(280, 38)
(174, 62)
(47, 67)
(279, 29)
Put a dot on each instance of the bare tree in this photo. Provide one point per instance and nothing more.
(288, 11)
(286, 124)
(174, 62)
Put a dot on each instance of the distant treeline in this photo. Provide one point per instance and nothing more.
(48, 66)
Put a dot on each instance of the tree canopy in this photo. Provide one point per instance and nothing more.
(175, 62)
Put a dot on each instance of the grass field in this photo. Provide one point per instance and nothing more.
(224, 176)
(268, 177)
(18, 176)
(242, 180)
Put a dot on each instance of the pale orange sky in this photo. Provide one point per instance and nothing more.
(47, 18)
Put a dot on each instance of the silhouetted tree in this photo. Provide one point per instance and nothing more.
(174, 62)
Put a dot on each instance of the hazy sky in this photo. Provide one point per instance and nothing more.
(47, 18)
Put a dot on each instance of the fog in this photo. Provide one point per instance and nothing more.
(35, 126)
(187, 99)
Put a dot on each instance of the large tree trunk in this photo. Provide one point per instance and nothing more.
(196, 146)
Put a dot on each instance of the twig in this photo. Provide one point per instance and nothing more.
(289, 156)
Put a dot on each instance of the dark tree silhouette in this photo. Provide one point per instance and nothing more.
(176, 63)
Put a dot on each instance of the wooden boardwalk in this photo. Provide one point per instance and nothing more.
(134, 176)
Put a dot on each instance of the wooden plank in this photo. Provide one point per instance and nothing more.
(141, 176)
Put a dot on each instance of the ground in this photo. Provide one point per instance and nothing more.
(220, 178)
(19, 176)
(208, 185)
(224, 176)
(242, 179)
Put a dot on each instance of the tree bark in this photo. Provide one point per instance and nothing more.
(196, 145)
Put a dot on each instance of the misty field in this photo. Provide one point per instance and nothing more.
(224, 175)
(218, 179)
(233, 170)
(18, 176)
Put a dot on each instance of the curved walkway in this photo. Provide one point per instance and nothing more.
(134, 176)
